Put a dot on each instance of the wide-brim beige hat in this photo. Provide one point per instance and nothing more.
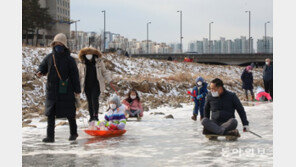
(60, 38)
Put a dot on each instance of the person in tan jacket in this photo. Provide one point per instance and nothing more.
(93, 77)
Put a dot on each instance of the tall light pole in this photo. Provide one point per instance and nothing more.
(181, 37)
(265, 36)
(210, 36)
(76, 34)
(148, 36)
(104, 38)
(250, 51)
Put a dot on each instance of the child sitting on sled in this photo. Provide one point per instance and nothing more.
(261, 95)
(199, 94)
(133, 105)
(115, 118)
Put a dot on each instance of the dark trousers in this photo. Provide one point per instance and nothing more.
(268, 86)
(92, 96)
(219, 128)
(251, 91)
(51, 125)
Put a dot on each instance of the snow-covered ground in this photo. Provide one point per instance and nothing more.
(155, 141)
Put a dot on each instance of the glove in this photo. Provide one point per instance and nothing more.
(199, 97)
(246, 128)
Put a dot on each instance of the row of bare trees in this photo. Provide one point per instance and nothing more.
(34, 18)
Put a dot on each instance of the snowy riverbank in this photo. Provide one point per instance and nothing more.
(160, 83)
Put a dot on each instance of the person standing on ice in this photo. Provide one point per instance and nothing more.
(268, 77)
(199, 94)
(61, 88)
(219, 111)
(247, 79)
(92, 75)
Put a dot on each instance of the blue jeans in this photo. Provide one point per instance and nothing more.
(199, 105)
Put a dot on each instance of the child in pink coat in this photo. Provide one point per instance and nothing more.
(261, 95)
(133, 105)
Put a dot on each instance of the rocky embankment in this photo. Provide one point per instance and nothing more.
(159, 82)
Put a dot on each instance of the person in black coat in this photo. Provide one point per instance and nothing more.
(126, 54)
(247, 79)
(93, 77)
(268, 77)
(219, 111)
(60, 99)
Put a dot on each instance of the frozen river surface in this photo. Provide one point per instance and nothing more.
(155, 141)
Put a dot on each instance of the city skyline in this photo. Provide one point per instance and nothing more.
(129, 19)
(134, 46)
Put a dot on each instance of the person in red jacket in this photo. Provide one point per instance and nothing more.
(133, 105)
(261, 95)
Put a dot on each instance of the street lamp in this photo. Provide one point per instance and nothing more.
(148, 36)
(104, 38)
(181, 37)
(210, 36)
(249, 30)
(76, 34)
(265, 36)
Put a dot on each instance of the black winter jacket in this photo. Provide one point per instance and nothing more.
(60, 105)
(247, 79)
(223, 107)
(267, 73)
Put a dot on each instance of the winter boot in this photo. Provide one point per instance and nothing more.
(194, 117)
(247, 98)
(252, 98)
(206, 132)
(48, 140)
(95, 118)
(73, 137)
(138, 117)
(232, 133)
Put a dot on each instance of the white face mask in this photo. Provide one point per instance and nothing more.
(267, 63)
(215, 94)
(199, 83)
(112, 106)
(133, 97)
(89, 57)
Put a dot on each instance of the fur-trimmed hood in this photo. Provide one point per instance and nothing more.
(88, 50)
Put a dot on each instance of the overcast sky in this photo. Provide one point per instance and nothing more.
(129, 18)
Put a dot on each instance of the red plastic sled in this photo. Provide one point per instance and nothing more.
(105, 133)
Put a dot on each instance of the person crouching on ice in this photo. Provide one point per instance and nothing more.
(261, 95)
(223, 103)
(115, 118)
(133, 105)
(199, 94)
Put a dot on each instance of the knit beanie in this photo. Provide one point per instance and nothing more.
(60, 38)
